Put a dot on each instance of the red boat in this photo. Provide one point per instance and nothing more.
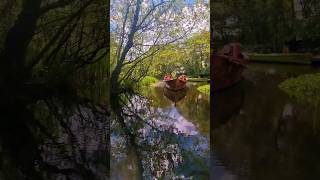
(176, 84)
(227, 66)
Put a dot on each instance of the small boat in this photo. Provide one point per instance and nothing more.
(175, 96)
(175, 84)
(227, 66)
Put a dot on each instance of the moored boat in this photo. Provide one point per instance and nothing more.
(227, 66)
(175, 84)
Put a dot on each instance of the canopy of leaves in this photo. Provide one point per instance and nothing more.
(140, 44)
(189, 57)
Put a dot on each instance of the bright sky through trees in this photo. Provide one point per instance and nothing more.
(141, 28)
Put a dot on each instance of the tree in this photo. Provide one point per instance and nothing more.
(52, 35)
(141, 28)
(264, 25)
(43, 41)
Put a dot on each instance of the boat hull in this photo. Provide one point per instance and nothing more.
(173, 85)
(226, 71)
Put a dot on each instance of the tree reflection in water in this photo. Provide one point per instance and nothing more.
(147, 143)
(55, 139)
(80, 143)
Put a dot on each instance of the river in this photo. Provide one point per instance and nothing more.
(262, 133)
(158, 138)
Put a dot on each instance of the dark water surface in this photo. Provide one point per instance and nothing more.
(54, 137)
(156, 138)
(260, 133)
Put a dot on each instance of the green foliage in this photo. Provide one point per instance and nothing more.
(189, 57)
(148, 80)
(264, 26)
(304, 88)
(204, 89)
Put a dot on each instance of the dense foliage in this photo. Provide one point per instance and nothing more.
(54, 73)
(157, 37)
(190, 57)
(60, 41)
(267, 26)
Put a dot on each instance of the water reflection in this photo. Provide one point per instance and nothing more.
(54, 138)
(155, 138)
(261, 133)
(175, 96)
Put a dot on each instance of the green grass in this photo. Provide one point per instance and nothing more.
(304, 88)
(204, 89)
(148, 80)
(198, 79)
(281, 58)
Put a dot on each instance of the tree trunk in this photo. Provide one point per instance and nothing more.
(116, 72)
(13, 56)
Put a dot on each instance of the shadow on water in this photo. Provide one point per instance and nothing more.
(262, 133)
(154, 137)
(55, 137)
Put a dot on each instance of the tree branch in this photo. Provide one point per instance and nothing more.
(54, 5)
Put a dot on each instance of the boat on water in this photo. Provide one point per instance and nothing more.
(227, 66)
(175, 96)
(175, 84)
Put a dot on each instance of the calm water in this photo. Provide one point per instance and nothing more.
(157, 138)
(55, 138)
(261, 133)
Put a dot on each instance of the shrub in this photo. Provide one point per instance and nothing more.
(304, 87)
(148, 80)
(204, 89)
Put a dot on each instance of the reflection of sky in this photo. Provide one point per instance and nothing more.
(193, 1)
(181, 124)
(174, 131)
(190, 1)
(190, 141)
(189, 137)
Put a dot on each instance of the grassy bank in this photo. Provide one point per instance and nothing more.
(204, 89)
(198, 79)
(148, 80)
(281, 58)
(304, 88)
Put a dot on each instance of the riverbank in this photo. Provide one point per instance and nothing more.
(292, 58)
(198, 79)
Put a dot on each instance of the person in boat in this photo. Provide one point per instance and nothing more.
(168, 77)
(233, 50)
(182, 80)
